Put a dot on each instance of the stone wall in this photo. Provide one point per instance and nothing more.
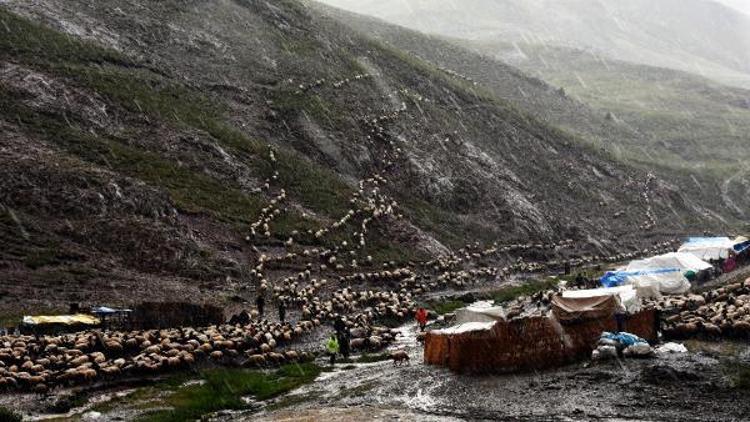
(525, 344)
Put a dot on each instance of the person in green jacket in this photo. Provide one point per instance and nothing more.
(333, 348)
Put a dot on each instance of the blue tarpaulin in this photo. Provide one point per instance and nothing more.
(618, 278)
(700, 240)
(741, 246)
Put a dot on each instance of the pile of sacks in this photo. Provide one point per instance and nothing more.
(612, 345)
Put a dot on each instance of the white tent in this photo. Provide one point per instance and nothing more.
(682, 260)
(709, 248)
(628, 295)
(669, 281)
(480, 312)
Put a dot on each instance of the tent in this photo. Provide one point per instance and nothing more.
(628, 295)
(682, 260)
(741, 244)
(709, 248)
(664, 280)
(78, 319)
(480, 312)
(584, 308)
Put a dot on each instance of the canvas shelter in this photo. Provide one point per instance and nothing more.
(627, 294)
(709, 248)
(480, 312)
(584, 308)
(77, 319)
(664, 280)
(682, 260)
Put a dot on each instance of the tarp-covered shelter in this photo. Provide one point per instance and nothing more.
(741, 244)
(665, 280)
(480, 312)
(584, 308)
(682, 260)
(55, 324)
(77, 319)
(627, 294)
(709, 248)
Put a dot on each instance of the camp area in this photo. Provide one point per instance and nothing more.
(650, 299)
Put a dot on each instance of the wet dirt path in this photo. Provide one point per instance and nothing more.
(685, 387)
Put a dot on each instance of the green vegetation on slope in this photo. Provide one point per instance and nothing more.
(225, 388)
(139, 90)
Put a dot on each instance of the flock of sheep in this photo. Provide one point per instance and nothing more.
(722, 312)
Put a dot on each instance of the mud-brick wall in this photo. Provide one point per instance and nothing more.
(531, 343)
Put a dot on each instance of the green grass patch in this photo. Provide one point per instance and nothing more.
(529, 288)
(224, 389)
(7, 415)
(738, 374)
(446, 306)
(34, 43)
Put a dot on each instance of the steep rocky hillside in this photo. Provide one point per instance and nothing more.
(157, 150)
(687, 129)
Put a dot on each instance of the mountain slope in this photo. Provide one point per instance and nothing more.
(698, 36)
(143, 140)
(685, 128)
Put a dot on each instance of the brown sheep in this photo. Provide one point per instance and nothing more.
(399, 358)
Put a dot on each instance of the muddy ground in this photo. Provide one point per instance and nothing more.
(694, 386)
(686, 387)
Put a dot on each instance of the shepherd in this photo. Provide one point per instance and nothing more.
(282, 311)
(332, 346)
(421, 318)
(260, 303)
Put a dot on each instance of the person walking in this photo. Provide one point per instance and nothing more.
(421, 318)
(332, 347)
(282, 312)
(260, 303)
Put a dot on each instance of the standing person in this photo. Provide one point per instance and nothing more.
(260, 303)
(421, 318)
(339, 325)
(282, 312)
(343, 339)
(332, 347)
(620, 315)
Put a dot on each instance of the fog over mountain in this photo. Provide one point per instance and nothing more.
(699, 36)
(740, 5)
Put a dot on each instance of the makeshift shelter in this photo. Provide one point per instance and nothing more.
(627, 294)
(118, 318)
(525, 343)
(741, 244)
(664, 280)
(480, 312)
(58, 323)
(584, 308)
(82, 319)
(709, 248)
(684, 261)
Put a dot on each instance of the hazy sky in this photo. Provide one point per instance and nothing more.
(741, 5)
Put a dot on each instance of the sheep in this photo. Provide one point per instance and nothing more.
(400, 357)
